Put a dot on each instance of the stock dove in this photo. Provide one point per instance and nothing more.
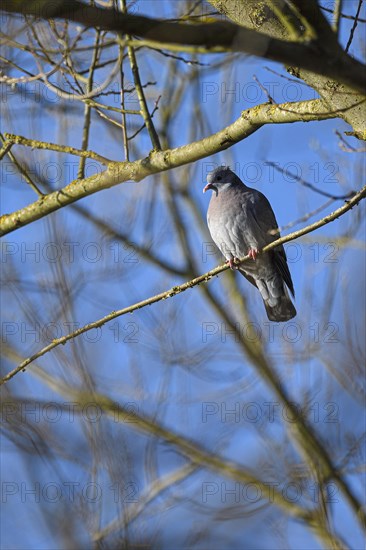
(241, 220)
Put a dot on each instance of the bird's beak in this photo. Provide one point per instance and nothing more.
(207, 187)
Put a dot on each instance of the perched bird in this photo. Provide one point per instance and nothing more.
(241, 221)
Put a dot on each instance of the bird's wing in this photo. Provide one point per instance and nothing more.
(263, 224)
(261, 217)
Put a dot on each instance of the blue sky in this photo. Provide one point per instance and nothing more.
(176, 360)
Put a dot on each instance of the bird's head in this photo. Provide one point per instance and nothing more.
(221, 178)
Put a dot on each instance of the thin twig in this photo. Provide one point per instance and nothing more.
(303, 219)
(264, 90)
(354, 26)
(87, 108)
(110, 119)
(109, 107)
(345, 146)
(310, 185)
(6, 150)
(141, 96)
(89, 95)
(156, 107)
(289, 79)
(220, 37)
(180, 58)
(122, 5)
(139, 89)
(344, 15)
(123, 116)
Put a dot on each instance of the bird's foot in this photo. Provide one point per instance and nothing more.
(232, 263)
(253, 253)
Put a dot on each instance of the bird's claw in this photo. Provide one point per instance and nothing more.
(253, 253)
(232, 263)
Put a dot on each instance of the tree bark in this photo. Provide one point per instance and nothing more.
(259, 16)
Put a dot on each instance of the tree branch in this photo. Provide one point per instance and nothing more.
(259, 16)
(197, 455)
(158, 161)
(215, 37)
(181, 288)
(45, 145)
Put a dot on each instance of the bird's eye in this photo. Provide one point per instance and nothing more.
(219, 178)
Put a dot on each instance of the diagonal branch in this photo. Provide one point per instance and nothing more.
(142, 99)
(354, 26)
(309, 185)
(159, 161)
(13, 139)
(197, 455)
(87, 107)
(155, 490)
(181, 288)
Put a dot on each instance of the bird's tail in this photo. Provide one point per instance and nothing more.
(281, 309)
(277, 301)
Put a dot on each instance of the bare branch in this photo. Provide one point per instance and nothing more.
(189, 284)
(196, 454)
(309, 185)
(36, 144)
(158, 161)
(354, 26)
(314, 55)
(343, 15)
